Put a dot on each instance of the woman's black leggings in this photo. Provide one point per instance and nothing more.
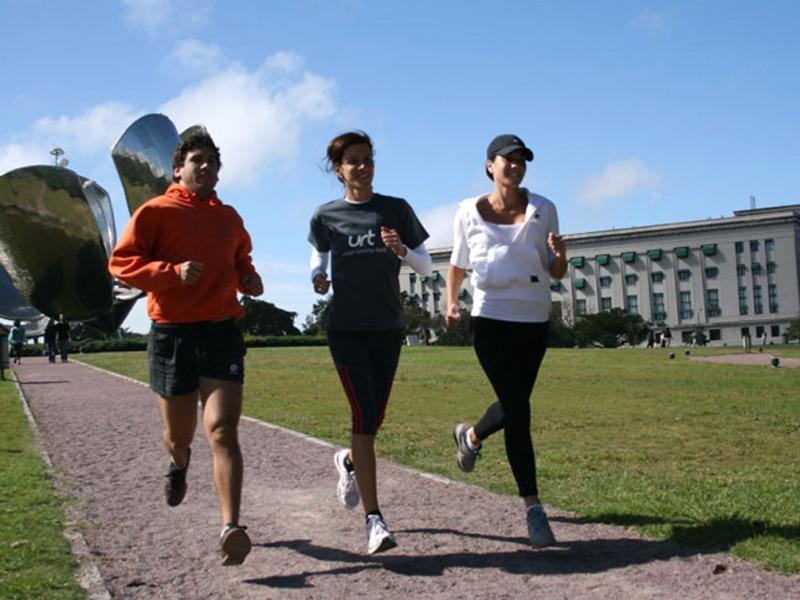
(510, 354)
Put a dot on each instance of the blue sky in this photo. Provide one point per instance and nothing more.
(638, 112)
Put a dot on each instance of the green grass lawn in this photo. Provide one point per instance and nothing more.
(704, 454)
(35, 561)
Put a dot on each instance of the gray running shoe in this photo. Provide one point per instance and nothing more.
(379, 538)
(539, 532)
(465, 456)
(346, 487)
(235, 545)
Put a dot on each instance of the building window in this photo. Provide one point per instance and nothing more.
(579, 283)
(629, 257)
(580, 307)
(758, 300)
(631, 278)
(556, 286)
(605, 303)
(436, 297)
(425, 297)
(436, 276)
(412, 277)
(775, 331)
(686, 305)
(632, 305)
(771, 267)
(684, 274)
(742, 300)
(576, 261)
(605, 282)
(769, 245)
(741, 270)
(709, 249)
(756, 268)
(424, 278)
(603, 259)
(714, 335)
(462, 293)
(772, 297)
(657, 276)
(712, 299)
(654, 254)
(682, 251)
(739, 247)
(712, 272)
(745, 331)
(753, 245)
(659, 310)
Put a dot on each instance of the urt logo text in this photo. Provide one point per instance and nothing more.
(357, 241)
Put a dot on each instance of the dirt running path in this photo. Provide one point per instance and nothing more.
(748, 358)
(455, 540)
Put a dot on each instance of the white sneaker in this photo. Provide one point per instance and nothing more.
(379, 538)
(346, 488)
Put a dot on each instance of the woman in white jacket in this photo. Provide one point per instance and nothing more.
(510, 240)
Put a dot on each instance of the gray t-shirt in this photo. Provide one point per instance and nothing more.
(366, 290)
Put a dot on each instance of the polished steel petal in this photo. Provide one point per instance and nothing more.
(50, 245)
(143, 157)
(100, 204)
(12, 305)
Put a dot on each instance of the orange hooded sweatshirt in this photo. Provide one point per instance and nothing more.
(171, 229)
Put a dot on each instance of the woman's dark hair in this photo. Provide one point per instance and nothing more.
(201, 139)
(342, 142)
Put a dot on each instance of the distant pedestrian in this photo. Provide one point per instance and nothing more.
(510, 239)
(17, 338)
(62, 336)
(764, 338)
(651, 338)
(666, 337)
(695, 342)
(191, 254)
(367, 236)
(50, 340)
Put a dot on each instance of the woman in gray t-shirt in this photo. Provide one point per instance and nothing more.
(367, 237)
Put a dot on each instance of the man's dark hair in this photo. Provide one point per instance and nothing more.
(201, 139)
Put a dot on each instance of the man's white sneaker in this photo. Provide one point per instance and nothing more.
(346, 488)
(379, 538)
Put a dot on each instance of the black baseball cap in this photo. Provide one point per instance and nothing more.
(506, 144)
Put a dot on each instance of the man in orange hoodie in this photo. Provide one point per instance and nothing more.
(191, 254)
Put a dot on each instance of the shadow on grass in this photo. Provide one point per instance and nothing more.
(715, 535)
(573, 557)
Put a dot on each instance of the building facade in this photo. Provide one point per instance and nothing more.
(729, 277)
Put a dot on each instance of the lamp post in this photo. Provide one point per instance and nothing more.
(57, 153)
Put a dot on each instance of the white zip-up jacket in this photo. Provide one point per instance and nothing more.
(505, 267)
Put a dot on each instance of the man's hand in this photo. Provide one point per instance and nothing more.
(556, 244)
(190, 272)
(251, 285)
(321, 284)
(391, 239)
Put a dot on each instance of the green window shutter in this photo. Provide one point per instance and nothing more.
(424, 278)
(579, 283)
(603, 259)
(709, 249)
(555, 286)
(435, 276)
(629, 257)
(576, 261)
(654, 254)
(682, 251)
(462, 294)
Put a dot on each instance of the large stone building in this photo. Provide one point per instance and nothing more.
(731, 276)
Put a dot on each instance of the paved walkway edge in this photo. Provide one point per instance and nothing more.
(88, 574)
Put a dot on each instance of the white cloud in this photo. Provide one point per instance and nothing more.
(253, 116)
(438, 222)
(618, 180)
(193, 57)
(92, 132)
(159, 17)
(284, 60)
